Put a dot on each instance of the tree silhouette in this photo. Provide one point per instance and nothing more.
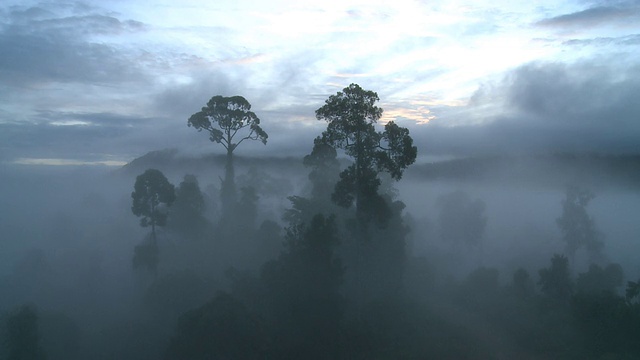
(152, 193)
(578, 228)
(229, 121)
(556, 281)
(188, 208)
(22, 335)
(223, 328)
(304, 287)
(325, 167)
(351, 115)
(633, 290)
(598, 280)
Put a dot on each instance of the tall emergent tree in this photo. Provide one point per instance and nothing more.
(351, 115)
(152, 194)
(229, 121)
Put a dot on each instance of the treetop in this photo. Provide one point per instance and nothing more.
(224, 117)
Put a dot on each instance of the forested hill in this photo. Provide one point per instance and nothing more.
(172, 160)
(542, 170)
(539, 170)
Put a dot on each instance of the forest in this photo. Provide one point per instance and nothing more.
(358, 250)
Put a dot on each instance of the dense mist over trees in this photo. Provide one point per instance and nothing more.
(357, 250)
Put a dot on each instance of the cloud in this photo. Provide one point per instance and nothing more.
(82, 136)
(587, 94)
(39, 45)
(286, 110)
(179, 101)
(280, 90)
(592, 17)
(66, 162)
(628, 40)
(88, 81)
(547, 107)
(416, 110)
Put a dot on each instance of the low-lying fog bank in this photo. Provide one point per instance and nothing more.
(68, 239)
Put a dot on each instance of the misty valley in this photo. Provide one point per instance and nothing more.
(361, 249)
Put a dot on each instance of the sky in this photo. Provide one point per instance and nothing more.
(103, 82)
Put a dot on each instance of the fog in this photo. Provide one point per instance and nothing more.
(187, 180)
(521, 228)
(69, 238)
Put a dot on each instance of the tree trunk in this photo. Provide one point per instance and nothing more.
(154, 242)
(228, 188)
(359, 155)
(153, 223)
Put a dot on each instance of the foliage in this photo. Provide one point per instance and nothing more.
(225, 118)
(60, 336)
(189, 196)
(633, 290)
(229, 121)
(351, 115)
(606, 325)
(324, 166)
(23, 338)
(318, 294)
(598, 280)
(522, 285)
(223, 328)
(301, 211)
(151, 191)
(303, 287)
(555, 282)
(578, 228)
(152, 194)
(187, 212)
(378, 264)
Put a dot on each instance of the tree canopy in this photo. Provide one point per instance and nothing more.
(578, 228)
(351, 115)
(229, 121)
(23, 337)
(152, 192)
(187, 212)
(224, 118)
(555, 281)
(152, 189)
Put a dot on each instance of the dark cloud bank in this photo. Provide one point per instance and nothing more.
(40, 45)
(548, 107)
(538, 108)
(588, 106)
(595, 16)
